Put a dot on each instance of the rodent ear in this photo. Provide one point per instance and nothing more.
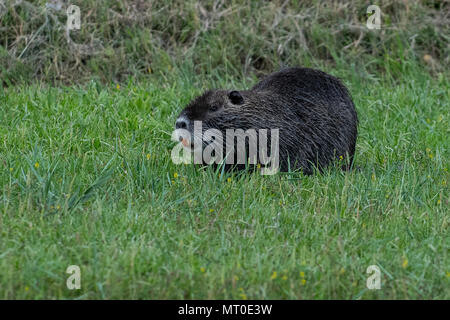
(236, 97)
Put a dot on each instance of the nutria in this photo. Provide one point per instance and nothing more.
(313, 111)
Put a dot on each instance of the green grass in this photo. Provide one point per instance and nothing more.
(87, 180)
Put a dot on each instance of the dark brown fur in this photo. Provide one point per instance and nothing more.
(313, 111)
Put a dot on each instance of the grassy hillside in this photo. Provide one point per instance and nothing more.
(87, 179)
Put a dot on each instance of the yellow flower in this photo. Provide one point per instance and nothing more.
(36, 165)
(341, 157)
(211, 210)
(447, 274)
(439, 201)
(202, 270)
(148, 156)
(175, 175)
(303, 282)
(405, 263)
(427, 58)
(274, 275)
(243, 296)
(118, 86)
(258, 166)
(229, 179)
(58, 207)
(11, 169)
(302, 274)
(27, 288)
(431, 156)
(284, 277)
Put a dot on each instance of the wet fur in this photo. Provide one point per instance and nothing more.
(313, 111)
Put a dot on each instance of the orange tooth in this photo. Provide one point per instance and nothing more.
(185, 142)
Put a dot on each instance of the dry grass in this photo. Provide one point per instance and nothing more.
(119, 39)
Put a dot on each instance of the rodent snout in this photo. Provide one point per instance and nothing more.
(181, 134)
(181, 124)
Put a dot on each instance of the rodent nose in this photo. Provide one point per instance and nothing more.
(181, 124)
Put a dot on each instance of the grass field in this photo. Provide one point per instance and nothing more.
(87, 180)
(86, 175)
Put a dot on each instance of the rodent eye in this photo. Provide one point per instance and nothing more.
(213, 108)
